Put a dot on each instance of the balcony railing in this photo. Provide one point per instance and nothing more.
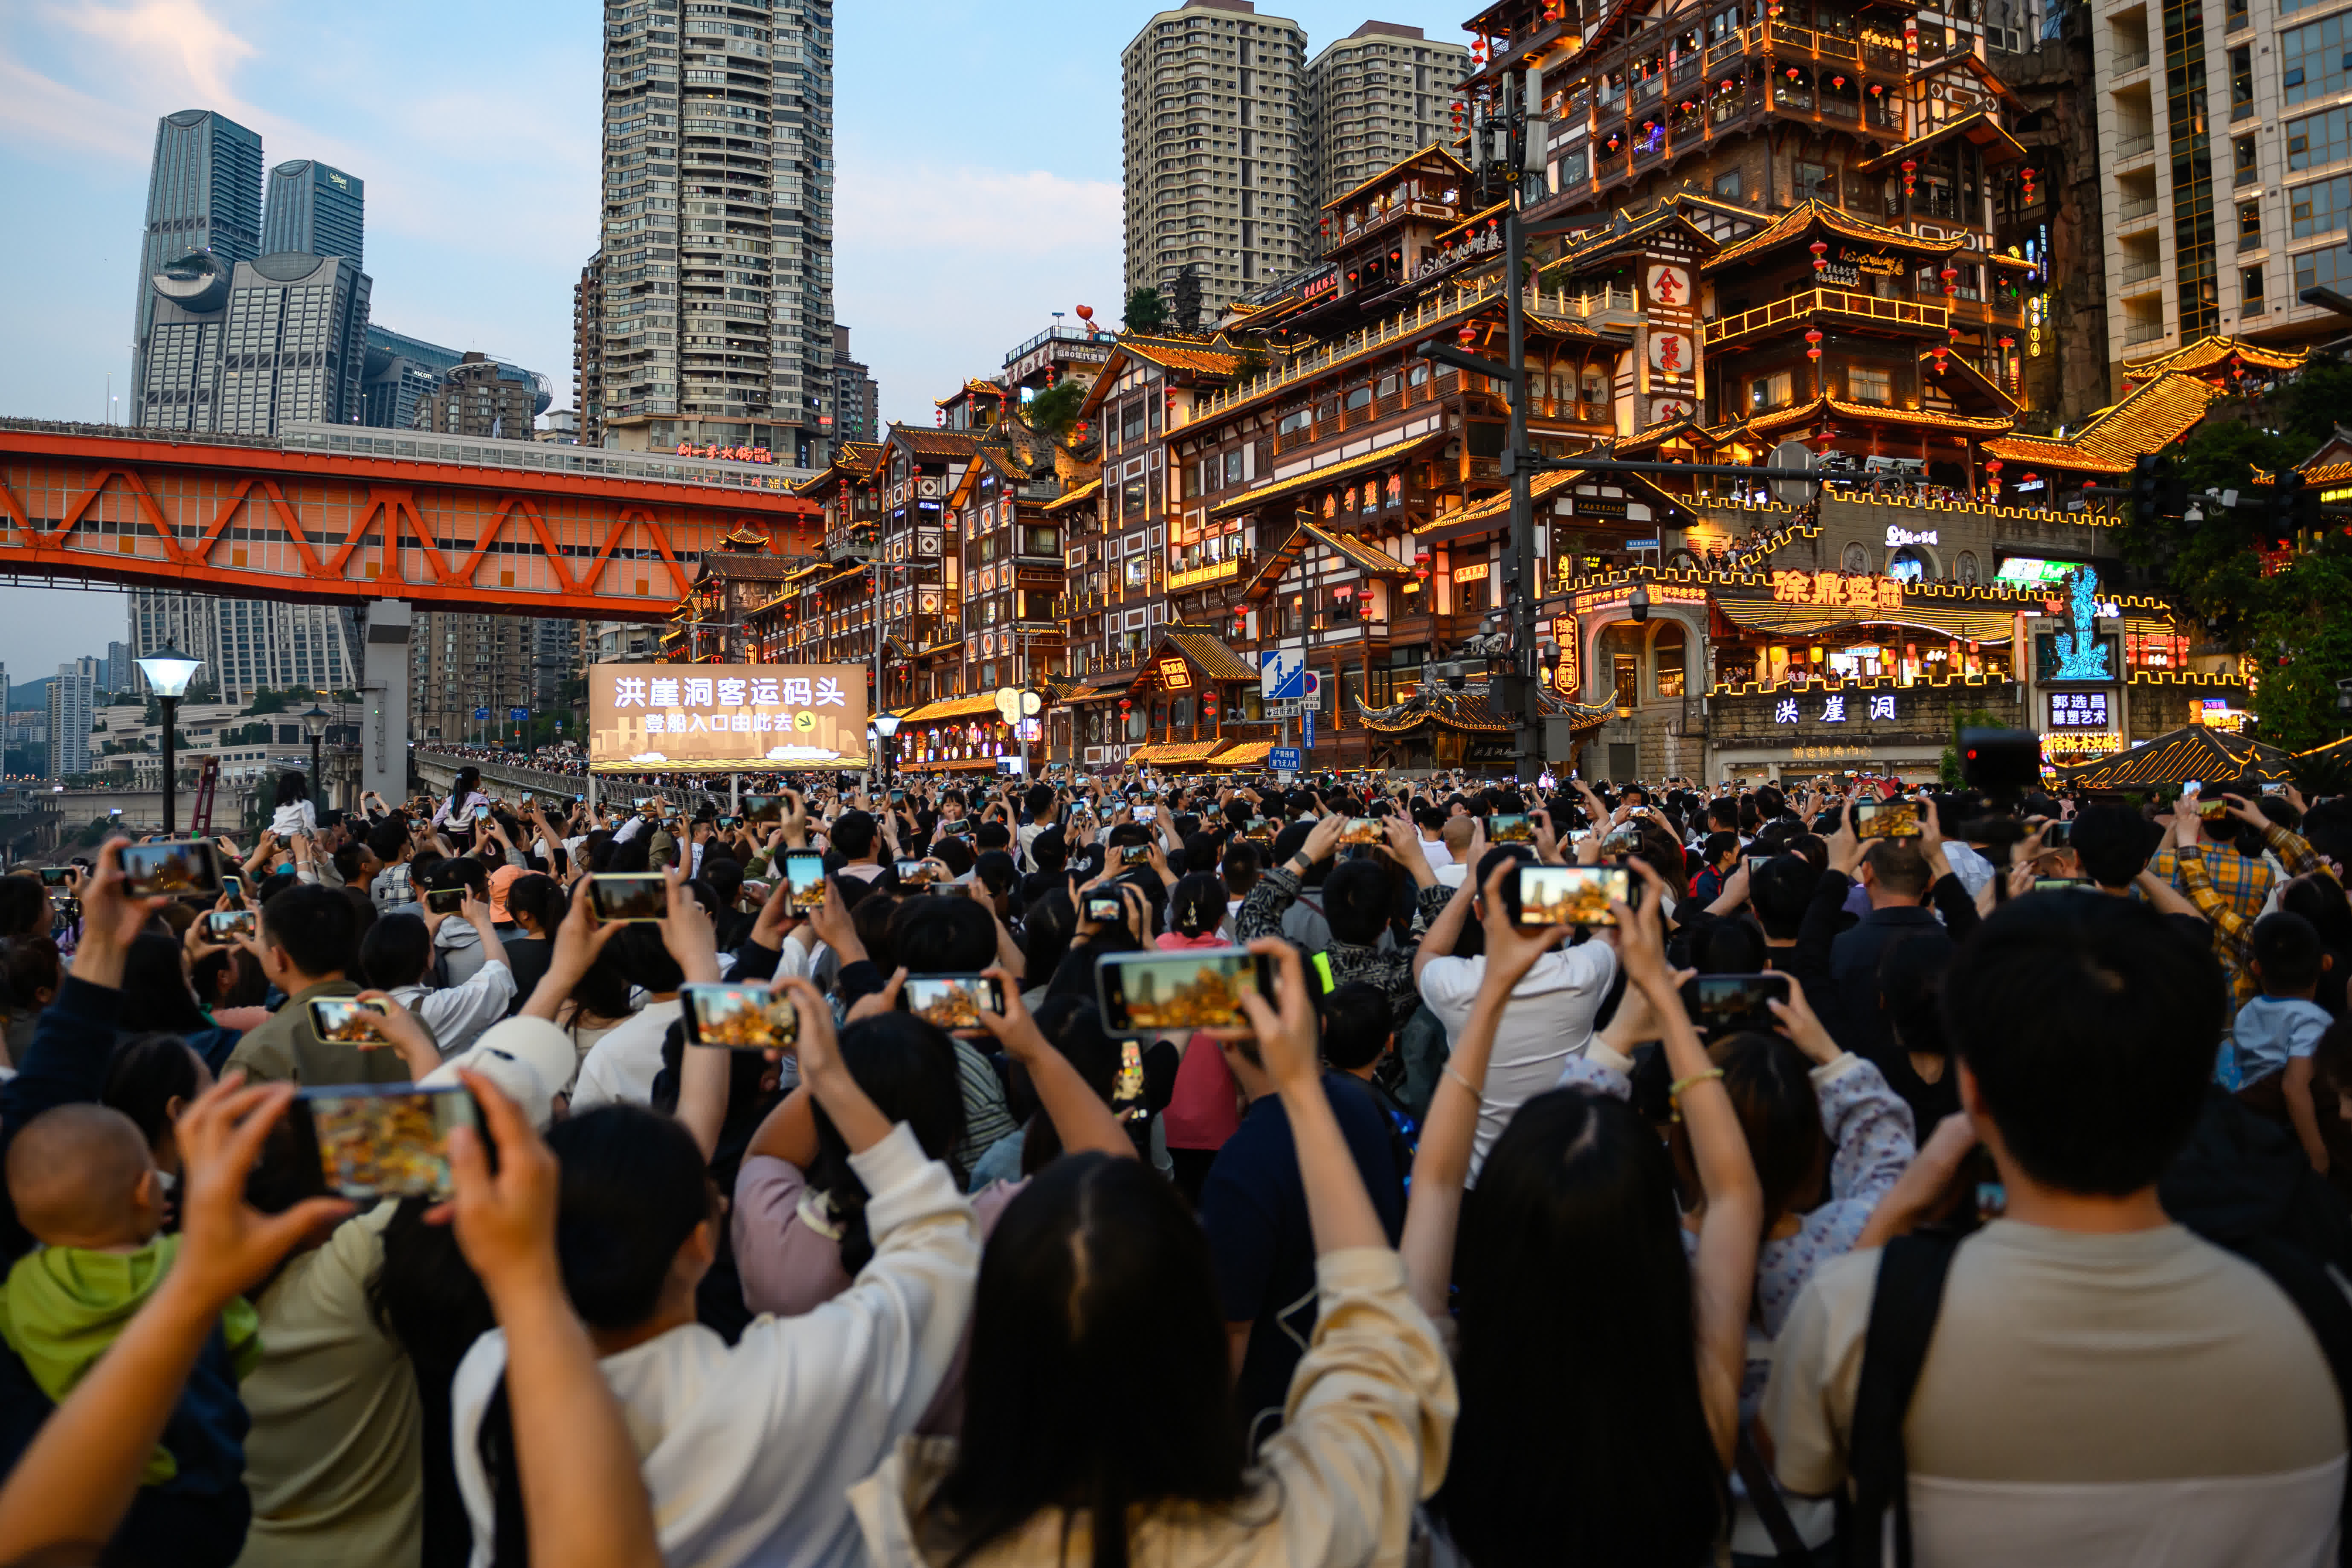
(2140, 272)
(2134, 144)
(1841, 303)
(2138, 330)
(2122, 60)
(2132, 209)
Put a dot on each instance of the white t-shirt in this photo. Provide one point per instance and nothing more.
(1548, 1020)
(623, 1065)
(1435, 851)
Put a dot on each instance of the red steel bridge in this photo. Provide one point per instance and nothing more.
(345, 513)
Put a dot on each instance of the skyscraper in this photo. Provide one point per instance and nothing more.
(204, 194)
(857, 400)
(588, 351)
(1216, 175)
(314, 209)
(717, 275)
(72, 695)
(295, 343)
(1375, 96)
(245, 645)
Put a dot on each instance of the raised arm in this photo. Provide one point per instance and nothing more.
(1339, 1212)
(1080, 1118)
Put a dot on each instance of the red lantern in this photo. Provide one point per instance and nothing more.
(1951, 276)
(2008, 342)
(1939, 351)
(1813, 342)
(1364, 596)
(1821, 250)
(1910, 168)
(1792, 73)
(1992, 467)
(1837, 81)
(1468, 334)
(1877, 89)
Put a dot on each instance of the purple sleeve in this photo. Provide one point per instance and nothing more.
(1869, 1126)
(788, 1265)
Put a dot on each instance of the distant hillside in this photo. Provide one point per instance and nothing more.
(31, 694)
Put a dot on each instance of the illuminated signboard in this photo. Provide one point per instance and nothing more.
(1322, 283)
(2033, 572)
(1837, 589)
(2074, 746)
(1614, 598)
(1474, 573)
(1175, 675)
(1898, 537)
(2079, 710)
(725, 717)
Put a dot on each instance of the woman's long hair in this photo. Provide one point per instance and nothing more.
(468, 780)
(1196, 906)
(1100, 1378)
(155, 991)
(908, 1068)
(1573, 1448)
(293, 789)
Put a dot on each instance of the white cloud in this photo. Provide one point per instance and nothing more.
(939, 269)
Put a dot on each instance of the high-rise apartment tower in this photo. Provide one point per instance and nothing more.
(717, 231)
(1214, 97)
(1373, 97)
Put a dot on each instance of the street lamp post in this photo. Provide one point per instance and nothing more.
(168, 672)
(887, 726)
(314, 725)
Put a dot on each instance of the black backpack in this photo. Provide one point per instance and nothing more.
(2242, 1183)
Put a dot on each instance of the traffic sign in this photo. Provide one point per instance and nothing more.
(518, 715)
(1283, 759)
(481, 712)
(1310, 729)
(1282, 674)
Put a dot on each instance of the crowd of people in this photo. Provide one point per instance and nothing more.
(1858, 1176)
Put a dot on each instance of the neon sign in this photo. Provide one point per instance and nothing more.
(1897, 537)
(1835, 589)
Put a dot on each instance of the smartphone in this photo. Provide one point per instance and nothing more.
(1141, 993)
(227, 925)
(1886, 819)
(2058, 884)
(644, 800)
(913, 871)
(897, 797)
(728, 821)
(347, 1020)
(2059, 835)
(1992, 1202)
(952, 1000)
(2213, 810)
(759, 808)
(1624, 839)
(233, 885)
(738, 1017)
(1570, 895)
(1258, 830)
(618, 896)
(387, 1141)
(1362, 830)
(1134, 854)
(177, 867)
(481, 814)
(56, 876)
(444, 901)
(1757, 863)
(2274, 789)
(960, 829)
(1510, 828)
(1105, 908)
(1728, 1003)
(1127, 1090)
(804, 874)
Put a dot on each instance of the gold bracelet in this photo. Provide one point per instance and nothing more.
(1683, 1083)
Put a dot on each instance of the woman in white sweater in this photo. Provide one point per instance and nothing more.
(748, 1453)
(295, 813)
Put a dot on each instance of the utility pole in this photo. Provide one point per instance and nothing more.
(1522, 695)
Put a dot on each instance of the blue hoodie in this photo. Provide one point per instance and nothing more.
(2272, 1029)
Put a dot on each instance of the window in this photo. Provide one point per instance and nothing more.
(1233, 466)
(2318, 140)
(1773, 390)
(1866, 385)
(1132, 429)
(2245, 164)
(1727, 186)
(2250, 289)
(2311, 60)
(2323, 268)
(2242, 81)
(1814, 179)
(2318, 208)
(2249, 225)
(1296, 420)
(1358, 397)
(1667, 653)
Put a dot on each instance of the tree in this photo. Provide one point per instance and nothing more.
(1052, 411)
(1147, 311)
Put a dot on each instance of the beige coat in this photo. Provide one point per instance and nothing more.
(1370, 1422)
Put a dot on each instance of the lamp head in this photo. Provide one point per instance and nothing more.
(168, 671)
(887, 723)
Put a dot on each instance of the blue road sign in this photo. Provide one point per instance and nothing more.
(518, 715)
(481, 712)
(1309, 716)
(1283, 759)
(1282, 674)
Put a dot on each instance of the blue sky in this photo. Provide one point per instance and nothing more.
(977, 188)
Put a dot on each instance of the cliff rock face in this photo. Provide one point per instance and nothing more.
(2057, 122)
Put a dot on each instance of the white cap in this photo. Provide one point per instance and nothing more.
(530, 1059)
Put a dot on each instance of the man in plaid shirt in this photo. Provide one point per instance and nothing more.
(1354, 952)
(2227, 879)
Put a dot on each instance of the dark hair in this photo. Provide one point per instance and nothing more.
(1561, 1455)
(1897, 866)
(633, 1190)
(314, 926)
(952, 852)
(603, 987)
(854, 834)
(292, 789)
(2089, 1028)
(459, 871)
(1357, 896)
(930, 934)
(996, 871)
(2285, 949)
(540, 898)
(906, 1066)
(146, 1073)
(1772, 1093)
(245, 985)
(25, 907)
(388, 839)
(646, 961)
(1095, 1260)
(990, 836)
(1196, 905)
(155, 994)
(1050, 850)
(2333, 1055)
(1045, 935)
(1356, 1024)
(1911, 975)
(1719, 845)
(395, 952)
(1242, 865)
(2112, 843)
(462, 787)
(2320, 899)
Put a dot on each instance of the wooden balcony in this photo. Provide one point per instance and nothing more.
(1842, 307)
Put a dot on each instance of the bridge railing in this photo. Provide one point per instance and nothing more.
(438, 770)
